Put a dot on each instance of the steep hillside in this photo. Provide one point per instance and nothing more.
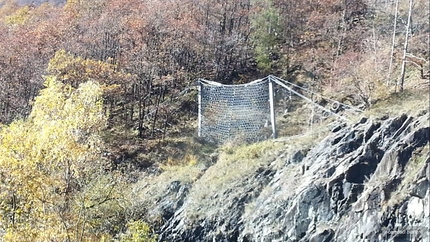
(98, 116)
(367, 180)
(151, 52)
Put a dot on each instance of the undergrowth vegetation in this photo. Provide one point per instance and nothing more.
(54, 184)
(410, 101)
(98, 106)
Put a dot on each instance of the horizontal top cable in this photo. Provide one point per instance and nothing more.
(207, 82)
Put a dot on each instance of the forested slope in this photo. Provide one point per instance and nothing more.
(97, 95)
(161, 47)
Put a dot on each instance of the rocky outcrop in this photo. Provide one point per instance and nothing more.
(363, 182)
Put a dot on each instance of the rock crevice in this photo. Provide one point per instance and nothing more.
(365, 182)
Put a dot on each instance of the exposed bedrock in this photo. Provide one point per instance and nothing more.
(364, 182)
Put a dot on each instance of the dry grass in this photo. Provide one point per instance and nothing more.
(233, 167)
(184, 150)
(411, 101)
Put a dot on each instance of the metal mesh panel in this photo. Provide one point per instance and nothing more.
(234, 111)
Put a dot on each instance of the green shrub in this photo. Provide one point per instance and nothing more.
(139, 231)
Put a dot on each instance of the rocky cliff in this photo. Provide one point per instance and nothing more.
(366, 181)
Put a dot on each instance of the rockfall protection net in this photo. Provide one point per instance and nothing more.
(229, 112)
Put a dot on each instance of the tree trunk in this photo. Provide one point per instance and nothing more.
(405, 48)
(343, 29)
(390, 67)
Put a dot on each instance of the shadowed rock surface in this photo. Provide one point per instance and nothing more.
(363, 182)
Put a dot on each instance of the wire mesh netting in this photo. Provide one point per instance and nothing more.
(229, 112)
(243, 112)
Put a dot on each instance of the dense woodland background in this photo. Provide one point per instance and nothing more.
(142, 57)
(155, 50)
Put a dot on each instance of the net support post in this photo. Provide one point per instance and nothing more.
(272, 108)
(199, 132)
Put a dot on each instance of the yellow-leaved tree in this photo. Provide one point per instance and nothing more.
(53, 186)
(75, 70)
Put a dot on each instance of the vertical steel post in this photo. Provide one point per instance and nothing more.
(272, 108)
(200, 109)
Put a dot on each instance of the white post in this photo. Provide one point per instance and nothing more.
(311, 121)
(200, 109)
(272, 108)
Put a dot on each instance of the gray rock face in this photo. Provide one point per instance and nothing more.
(363, 182)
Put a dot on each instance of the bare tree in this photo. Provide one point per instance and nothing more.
(390, 67)
(405, 48)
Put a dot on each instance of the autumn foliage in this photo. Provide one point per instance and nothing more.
(73, 71)
(46, 159)
(155, 49)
